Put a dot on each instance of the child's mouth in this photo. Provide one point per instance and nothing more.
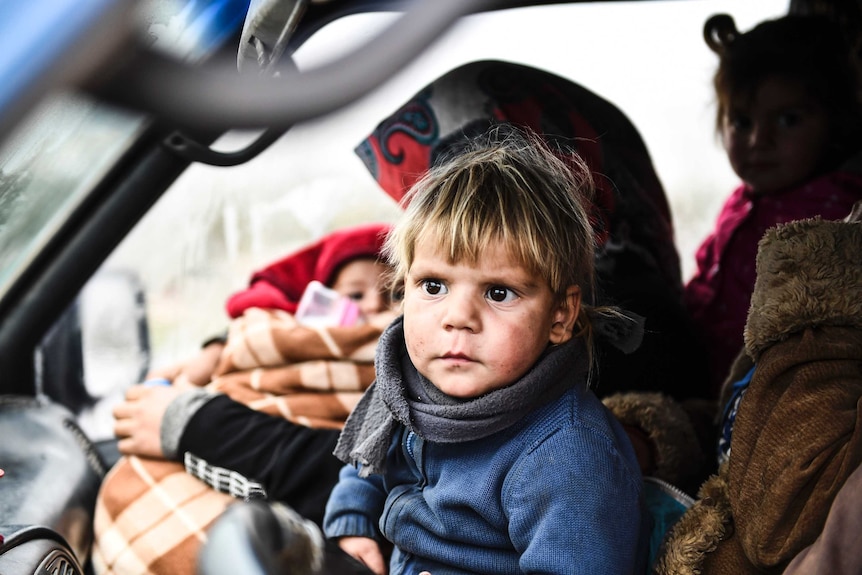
(459, 357)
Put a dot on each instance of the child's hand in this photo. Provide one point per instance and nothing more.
(199, 370)
(193, 372)
(366, 551)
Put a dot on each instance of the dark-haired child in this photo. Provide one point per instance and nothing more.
(790, 123)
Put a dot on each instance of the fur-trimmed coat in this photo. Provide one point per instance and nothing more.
(798, 432)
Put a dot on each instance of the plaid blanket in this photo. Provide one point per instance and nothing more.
(152, 515)
(311, 376)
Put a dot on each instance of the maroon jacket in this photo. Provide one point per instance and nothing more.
(719, 294)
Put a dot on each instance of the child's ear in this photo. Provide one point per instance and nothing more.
(565, 316)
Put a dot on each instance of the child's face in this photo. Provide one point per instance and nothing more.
(362, 281)
(778, 138)
(471, 329)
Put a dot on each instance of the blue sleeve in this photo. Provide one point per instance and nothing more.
(575, 505)
(355, 505)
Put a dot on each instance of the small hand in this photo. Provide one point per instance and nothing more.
(138, 420)
(366, 551)
(196, 371)
(199, 370)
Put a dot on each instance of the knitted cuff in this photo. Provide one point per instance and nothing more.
(177, 415)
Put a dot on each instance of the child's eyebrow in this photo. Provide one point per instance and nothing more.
(528, 286)
(418, 266)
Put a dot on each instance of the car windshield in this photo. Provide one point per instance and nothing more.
(49, 166)
(68, 142)
(227, 222)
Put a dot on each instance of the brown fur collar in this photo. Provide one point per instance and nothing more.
(809, 273)
(699, 530)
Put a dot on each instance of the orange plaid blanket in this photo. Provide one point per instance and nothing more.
(311, 376)
(151, 515)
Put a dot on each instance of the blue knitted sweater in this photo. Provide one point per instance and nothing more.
(559, 491)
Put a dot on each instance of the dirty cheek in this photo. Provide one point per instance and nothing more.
(415, 341)
(520, 358)
(415, 345)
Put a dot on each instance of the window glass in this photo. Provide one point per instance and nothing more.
(48, 166)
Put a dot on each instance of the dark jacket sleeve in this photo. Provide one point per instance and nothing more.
(294, 463)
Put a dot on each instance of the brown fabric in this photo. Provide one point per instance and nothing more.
(155, 521)
(797, 437)
(152, 516)
(809, 274)
(699, 530)
(798, 432)
(269, 337)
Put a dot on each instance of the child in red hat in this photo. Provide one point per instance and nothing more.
(345, 260)
(342, 253)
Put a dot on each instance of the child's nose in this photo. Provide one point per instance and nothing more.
(761, 135)
(461, 312)
(372, 302)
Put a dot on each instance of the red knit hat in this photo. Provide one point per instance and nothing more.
(281, 284)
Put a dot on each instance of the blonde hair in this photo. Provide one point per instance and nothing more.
(505, 188)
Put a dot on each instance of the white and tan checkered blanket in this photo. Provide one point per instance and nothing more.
(152, 515)
(167, 509)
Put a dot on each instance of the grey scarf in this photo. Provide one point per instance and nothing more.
(401, 395)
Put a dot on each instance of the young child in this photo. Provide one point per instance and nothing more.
(276, 395)
(480, 448)
(637, 264)
(346, 260)
(790, 123)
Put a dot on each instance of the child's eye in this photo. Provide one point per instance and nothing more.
(739, 122)
(433, 287)
(355, 296)
(500, 294)
(788, 119)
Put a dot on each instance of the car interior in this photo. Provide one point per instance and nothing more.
(108, 104)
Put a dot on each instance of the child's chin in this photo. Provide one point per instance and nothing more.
(465, 390)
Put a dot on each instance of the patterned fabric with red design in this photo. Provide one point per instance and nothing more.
(637, 263)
